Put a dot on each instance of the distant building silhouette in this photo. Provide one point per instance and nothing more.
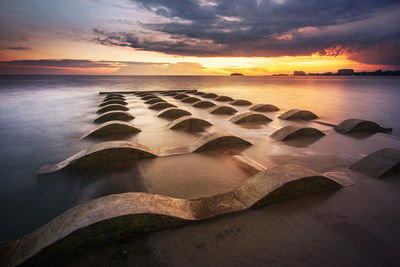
(299, 73)
(345, 72)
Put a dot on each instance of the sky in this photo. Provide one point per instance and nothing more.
(197, 37)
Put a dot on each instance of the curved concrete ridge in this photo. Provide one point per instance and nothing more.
(240, 102)
(298, 114)
(189, 123)
(203, 104)
(217, 140)
(190, 99)
(379, 163)
(180, 96)
(171, 94)
(198, 93)
(114, 217)
(102, 153)
(264, 108)
(291, 132)
(119, 102)
(250, 117)
(111, 127)
(112, 107)
(114, 94)
(148, 97)
(209, 95)
(161, 106)
(114, 115)
(223, 98)
(113, 98)
(358, 125)
(154, 100)
(173, 113)
(220, 109)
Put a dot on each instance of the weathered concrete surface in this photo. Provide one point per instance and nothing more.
(223, 98)
(112, 107)
(358, 125)
(264, 108)
(119, 102)
(203, 104)
(190, 99)
(379, 163)
(240, 102)
(114, 115)
(148, 97)
(292, 132)
(154, 100)
(173, 113)
(180, 96)
(298, 114)
(250, 117)
(188, 123)
(161, 106)
(210, 95)
(217, 140)
(114, 217)
(223, 110)
(111, 127)
(103, 153)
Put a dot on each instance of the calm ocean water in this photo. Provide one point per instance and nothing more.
(42, 116)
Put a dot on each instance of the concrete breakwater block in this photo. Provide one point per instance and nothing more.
(203, 104)
(240, 102)
(217, 140)
(223, 110)
(114, 115)
(292, 132)
(181, 96)
(190, 99)
(100, 154)
(379, 163)
(112, 107)
(173, 113)
(111, 127)
(154, 100)
(188, 123)
(119, 102)
(250, 117)
(263, 108)
(111, 218)
(161, 106)
(358, 125)
(298, 114)
(223, 98)
(210, 95)
(148, 97)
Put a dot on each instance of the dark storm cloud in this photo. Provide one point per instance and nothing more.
(60, 63)
(261, 28)
(19, 48)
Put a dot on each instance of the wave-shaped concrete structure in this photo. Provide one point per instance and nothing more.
(223, 98)
(110, 102)
(264, 108)
(181, 96)
(203, 104)
(103, 153)
(298, 114)
(379, 163)
(292, 132)
(161, 106)
(111, 108)
(114, 217)
(112, 127)
(190, 99)
(188, 123)
(154, 100)
(358, 125)
(114, 115)
(173, 113)
(148, 97)
(240, 102)
(217, 140)
(223, 110)
(199, 93)
(210, 95)
(108, 98)
(171, 93)
(250, 116)
(114, 94)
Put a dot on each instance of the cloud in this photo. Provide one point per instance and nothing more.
(19, 48)
(263, 28)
